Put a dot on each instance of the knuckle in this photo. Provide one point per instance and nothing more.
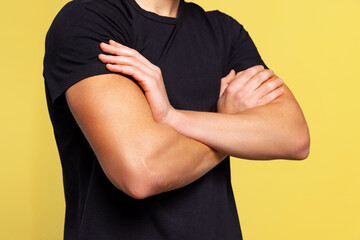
(252, 71)
(267, 87)
(272, 84)
(229, 90)
(239, 94)
(259, 67)
(247, 103)
(269, 72)
(131, 52)
(257, 79)
(281, 90)
(272, 95)
(120, 60)
(117, 60)
(117, 51)
(131, 70)
(131, 61)
(118, 68)
(158, 69)
(136, 54)
(157, 75)
(275, 83)
(264, 74)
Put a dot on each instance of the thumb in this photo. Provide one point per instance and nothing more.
(231, 75)
(225, 81)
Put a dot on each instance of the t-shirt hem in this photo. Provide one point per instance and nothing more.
(84, 72)
(248, 64)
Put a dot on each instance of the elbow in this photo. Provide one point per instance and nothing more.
(137, 183)
(301, 146)
(138, 190)
(303, 151)
(139, 187)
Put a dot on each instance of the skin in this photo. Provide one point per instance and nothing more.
(272, 131)
(167, 8)
(118, 124)
(131, 132)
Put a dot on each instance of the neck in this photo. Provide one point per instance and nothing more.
(167, 8)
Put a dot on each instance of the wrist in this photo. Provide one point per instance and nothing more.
(178, 120)
(172, 117)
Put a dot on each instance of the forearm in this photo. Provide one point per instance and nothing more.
(173, 161)
(274, 131)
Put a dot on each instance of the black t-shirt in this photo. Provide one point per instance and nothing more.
(194, 51)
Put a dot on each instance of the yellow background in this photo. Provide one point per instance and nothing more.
(312, 45)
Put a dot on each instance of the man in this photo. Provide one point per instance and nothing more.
(140, 162)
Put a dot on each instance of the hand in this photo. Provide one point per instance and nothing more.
(248, 89)
(130, 62)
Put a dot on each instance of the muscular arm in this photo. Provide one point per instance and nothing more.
(139, 156)
(277, 130)
(271, 131)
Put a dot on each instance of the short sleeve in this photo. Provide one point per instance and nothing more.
(73, 42)
(243, 53)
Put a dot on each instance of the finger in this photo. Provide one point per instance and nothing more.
(120, 60)
(226, 80)
(271, 96)
(257, 80)
(139, 75)
(125, 51)
(136, 53)
(117, 44)
(123, 60)
(244, 76)
(267, 87)
(239, 73)
(230, 76)
(110, 49)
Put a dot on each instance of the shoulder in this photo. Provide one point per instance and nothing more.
(80, 9)
(195, 10)
(216, 17)
(94, 7)
(223, 18)
(87, 17)
(73, 39)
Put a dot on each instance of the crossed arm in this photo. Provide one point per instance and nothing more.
(150, 150)
(277, 130)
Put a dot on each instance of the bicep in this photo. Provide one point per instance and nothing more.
(114, 116)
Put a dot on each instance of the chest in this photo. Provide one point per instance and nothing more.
(190, 60)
